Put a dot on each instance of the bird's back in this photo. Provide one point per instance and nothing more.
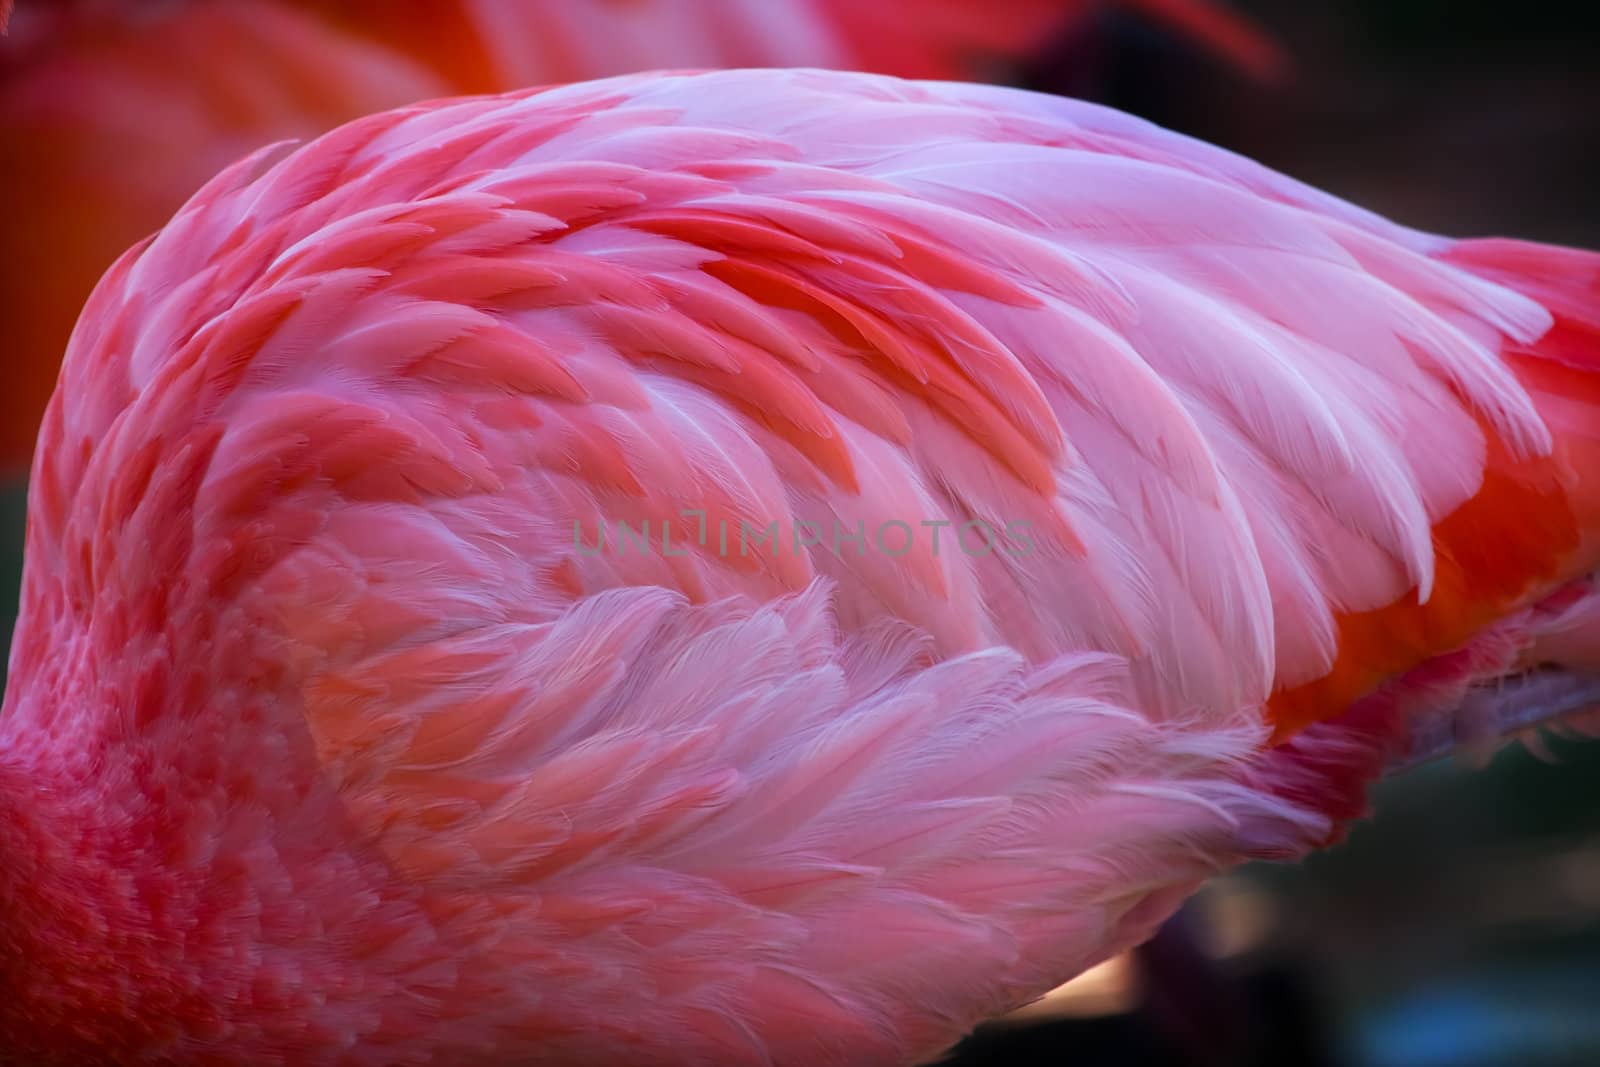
(771, 563)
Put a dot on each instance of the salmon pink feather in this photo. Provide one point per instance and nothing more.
(485, 599)
(113, 112)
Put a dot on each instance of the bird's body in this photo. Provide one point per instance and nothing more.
(352, 720)
(113, 113)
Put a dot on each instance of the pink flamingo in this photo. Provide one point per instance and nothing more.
(334, 736)
(112, 113)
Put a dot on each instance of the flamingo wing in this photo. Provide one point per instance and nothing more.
(347, 431)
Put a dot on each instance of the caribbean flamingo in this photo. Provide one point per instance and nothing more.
(335, 734)
(113, 113)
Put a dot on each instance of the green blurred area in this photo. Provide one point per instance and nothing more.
(1461, 924)
(13, 521)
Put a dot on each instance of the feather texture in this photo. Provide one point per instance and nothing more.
(113, 112)
(813, 558)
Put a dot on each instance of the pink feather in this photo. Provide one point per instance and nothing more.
(333, 736)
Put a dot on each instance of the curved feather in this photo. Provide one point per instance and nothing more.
(336, 450)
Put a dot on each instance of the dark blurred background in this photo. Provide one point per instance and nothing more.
(1461, 925)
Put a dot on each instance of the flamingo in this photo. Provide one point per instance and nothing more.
(749, 567)
(113, 113)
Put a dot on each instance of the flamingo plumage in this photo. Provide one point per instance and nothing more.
(352, 721)
(113, 113)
